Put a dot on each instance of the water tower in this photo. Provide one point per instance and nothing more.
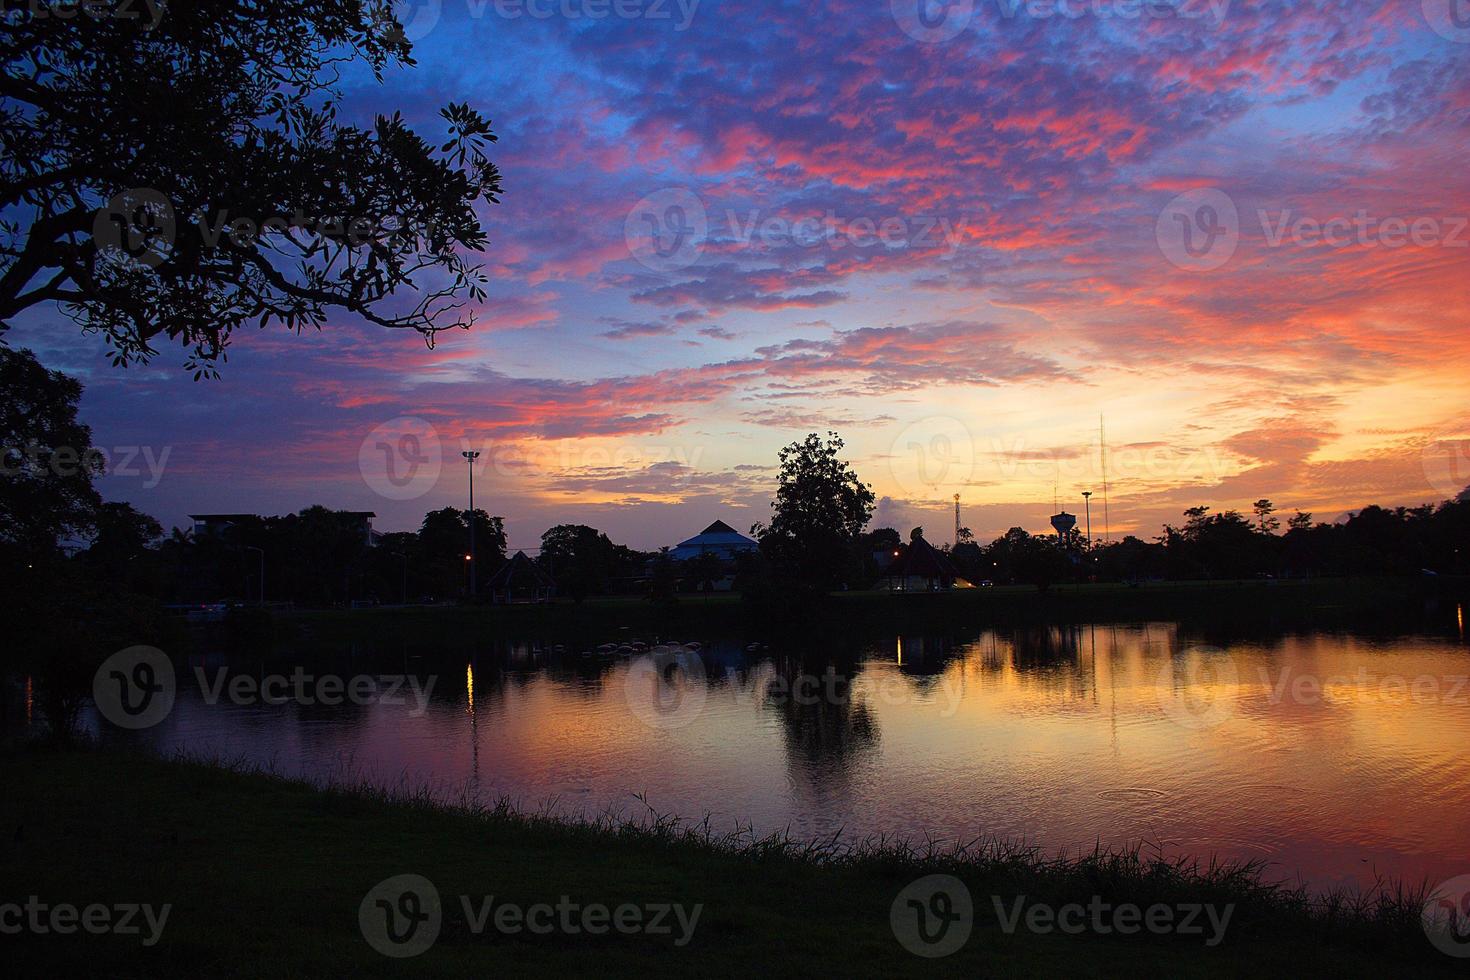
(1063, 524)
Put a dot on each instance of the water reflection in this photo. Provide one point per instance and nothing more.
(829, 732)
(1329, 753)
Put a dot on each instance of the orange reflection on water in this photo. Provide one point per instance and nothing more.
(1329, 754)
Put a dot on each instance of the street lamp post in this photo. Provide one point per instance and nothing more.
(261, 552)
(1087, 502)
(470, 457)
(404, 555)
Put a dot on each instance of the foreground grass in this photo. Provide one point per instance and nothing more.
(266, 875)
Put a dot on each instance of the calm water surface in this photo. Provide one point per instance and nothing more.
(1336, 757)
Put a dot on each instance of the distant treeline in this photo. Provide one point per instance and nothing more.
(322, 558)
(1228, 545)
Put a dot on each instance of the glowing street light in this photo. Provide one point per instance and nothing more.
(470, 457)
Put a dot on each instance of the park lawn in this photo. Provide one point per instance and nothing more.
(266, 875)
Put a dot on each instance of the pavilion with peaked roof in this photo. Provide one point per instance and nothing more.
(719, 539)
(520, 580)
(920, 568)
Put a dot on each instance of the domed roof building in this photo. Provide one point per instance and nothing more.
(719, 539)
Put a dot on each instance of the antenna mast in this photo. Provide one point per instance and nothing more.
(1102, 446)
(956, 519)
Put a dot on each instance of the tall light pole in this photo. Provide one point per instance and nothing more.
(261, 552)
(1087, 502)
(471, 457)
(404, 555)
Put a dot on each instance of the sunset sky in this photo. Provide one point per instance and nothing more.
(958, 252)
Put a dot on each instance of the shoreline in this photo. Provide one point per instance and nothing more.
(1386, 605)
(94, 825)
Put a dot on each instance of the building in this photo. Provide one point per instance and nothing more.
(215, 525)
(719, 539)
(520, 580)
(920, 567)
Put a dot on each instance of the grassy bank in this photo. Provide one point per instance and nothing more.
(1369, 605)
(265, 878)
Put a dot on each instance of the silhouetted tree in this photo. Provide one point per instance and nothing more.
(704, 570)
(663, 582)
(584, 561)
(187, 177)
(444, 543)
(1017, 556)
(820, 509)
(46, 460)
(121, 551)
(1264, 510)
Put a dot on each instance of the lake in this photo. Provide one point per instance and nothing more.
(1336, 756)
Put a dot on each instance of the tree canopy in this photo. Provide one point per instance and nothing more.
(46, 458)
(180, 171)
(820, 509)
(584, 561)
